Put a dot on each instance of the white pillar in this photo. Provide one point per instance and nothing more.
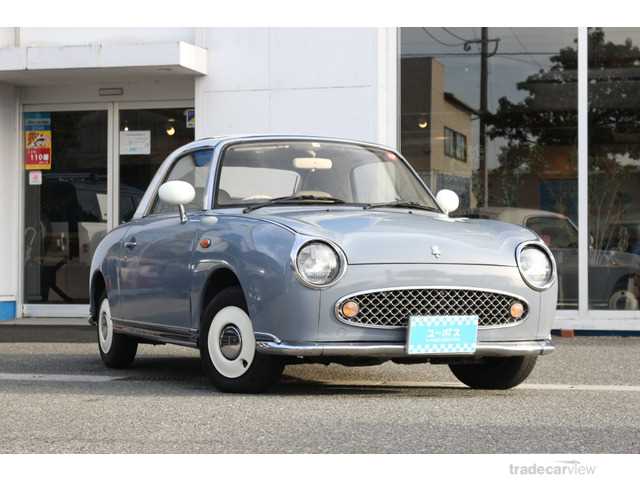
(9, 209)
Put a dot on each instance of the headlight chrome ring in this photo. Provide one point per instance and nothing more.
(527, 270)
(311, 257)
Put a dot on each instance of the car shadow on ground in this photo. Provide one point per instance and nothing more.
(177, 375)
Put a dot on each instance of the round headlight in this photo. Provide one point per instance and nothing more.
(536, 267)
(318, 264)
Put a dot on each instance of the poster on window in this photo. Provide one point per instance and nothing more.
(135, 142)
(190, 115)
(37, 141)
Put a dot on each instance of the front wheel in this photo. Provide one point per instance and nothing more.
(228, 347)
(116, 350)
(495, 373)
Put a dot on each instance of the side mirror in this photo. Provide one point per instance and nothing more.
(448, 200)
(179, 193)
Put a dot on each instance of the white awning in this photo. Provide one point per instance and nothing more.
(31, 66)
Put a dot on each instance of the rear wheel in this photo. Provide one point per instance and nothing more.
(228, 347)
(116, 350)
(624, 295)
(496, 373)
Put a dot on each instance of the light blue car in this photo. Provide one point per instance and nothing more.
(263, 251)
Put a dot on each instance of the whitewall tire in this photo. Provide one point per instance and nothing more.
(623, 299)
(237, 363)
(105, 326)
(116, 350)
(228, 347)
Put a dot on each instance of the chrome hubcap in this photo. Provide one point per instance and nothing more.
(230, 342)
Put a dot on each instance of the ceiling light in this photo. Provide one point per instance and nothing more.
(171, 130)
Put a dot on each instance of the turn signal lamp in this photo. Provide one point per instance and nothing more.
(517, 310)
(350, 309)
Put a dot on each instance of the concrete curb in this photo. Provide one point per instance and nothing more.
(47, 334)
(47, 321)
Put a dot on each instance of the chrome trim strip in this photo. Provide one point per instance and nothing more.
(336, 309)
(395, 350)
(186, 337)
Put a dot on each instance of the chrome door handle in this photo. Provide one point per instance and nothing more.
(130, 244)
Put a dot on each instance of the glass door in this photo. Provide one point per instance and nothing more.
(66, 204)
(147, 134)
(83, 177)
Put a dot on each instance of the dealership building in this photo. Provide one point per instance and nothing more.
(532, 126)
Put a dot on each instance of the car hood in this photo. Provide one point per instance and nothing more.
(397, 236)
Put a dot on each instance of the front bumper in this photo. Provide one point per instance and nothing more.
(396, 350)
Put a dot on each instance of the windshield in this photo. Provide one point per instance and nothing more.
(257, 173)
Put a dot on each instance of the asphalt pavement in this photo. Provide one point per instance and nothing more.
(58, 397)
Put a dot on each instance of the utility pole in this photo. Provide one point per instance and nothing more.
(484, 42)
(484, 78)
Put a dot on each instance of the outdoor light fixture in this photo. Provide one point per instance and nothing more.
(110, 92)
(422, 123)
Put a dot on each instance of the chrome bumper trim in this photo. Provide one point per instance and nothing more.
(395, 350)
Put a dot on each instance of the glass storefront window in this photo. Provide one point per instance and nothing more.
(66, 214)
(491, 113)
(167, 129)
(614, 168)
(66, 207)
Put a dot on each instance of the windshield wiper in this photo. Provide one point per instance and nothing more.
(401, 204)
(293, 199)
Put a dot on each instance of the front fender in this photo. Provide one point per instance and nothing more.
(259, 254)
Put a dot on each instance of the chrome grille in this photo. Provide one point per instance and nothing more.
(392, 308)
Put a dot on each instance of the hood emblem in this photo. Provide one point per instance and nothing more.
(435, 251)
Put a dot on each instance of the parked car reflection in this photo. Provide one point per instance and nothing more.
(61, 238)
(614, 272)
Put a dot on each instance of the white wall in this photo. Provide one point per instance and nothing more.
(9, 175)
(7, 37)
(322, 81)
(44, 37)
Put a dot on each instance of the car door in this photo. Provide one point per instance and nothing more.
(155, 275)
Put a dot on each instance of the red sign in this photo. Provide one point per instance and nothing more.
(38, 150)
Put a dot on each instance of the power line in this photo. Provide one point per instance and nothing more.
(455, 35)
(437, 40)
(515, 35)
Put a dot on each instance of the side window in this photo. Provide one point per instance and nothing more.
(555, 232)
(192, 168)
